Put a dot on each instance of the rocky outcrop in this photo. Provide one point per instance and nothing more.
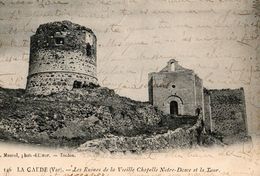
(96, 119)
(71, 118)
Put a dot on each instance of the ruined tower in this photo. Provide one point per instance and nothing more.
(61, 54)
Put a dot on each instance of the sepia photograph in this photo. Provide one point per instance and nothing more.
(129, 87)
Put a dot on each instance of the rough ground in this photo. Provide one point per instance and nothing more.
(72, 118)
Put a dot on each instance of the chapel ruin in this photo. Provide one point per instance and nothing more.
(179, 92)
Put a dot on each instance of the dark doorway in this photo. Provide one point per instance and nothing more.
(173, 108)
(59, 40)
(77, 84)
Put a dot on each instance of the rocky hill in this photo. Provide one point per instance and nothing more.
(91, 115)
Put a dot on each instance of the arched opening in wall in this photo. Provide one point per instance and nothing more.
(77, 84)
(88, 49)
(173, 66)
(59, 40)
(174, 108)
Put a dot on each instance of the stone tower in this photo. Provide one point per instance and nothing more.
(61, 54)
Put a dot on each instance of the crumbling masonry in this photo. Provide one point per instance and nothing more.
(62, 54)
(178, 91)
(63, 57)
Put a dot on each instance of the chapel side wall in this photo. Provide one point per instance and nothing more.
(207, 111)
(150, 87)
(199, 93)
(228, 114)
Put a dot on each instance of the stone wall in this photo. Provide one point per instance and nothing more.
(228, 112)
(74, 37)
(172, 139)
(61, 53)
(207, 111)
(199, 98)
(61, 61)
(49, 82)
(179, 138)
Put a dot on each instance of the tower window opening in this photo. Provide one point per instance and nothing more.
(59, 40)
(77, 84)
(88, 49)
